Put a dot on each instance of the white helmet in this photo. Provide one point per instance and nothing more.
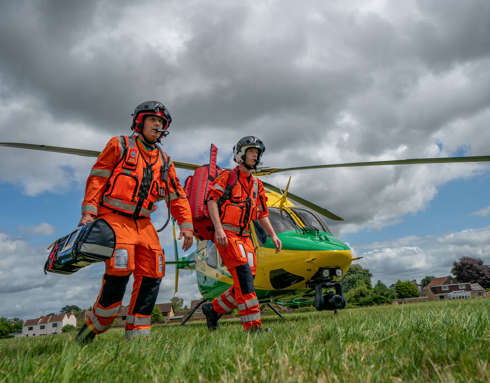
(243, 145)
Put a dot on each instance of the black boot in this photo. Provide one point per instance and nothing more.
(256, 330)
(211, 316)
(85, 335)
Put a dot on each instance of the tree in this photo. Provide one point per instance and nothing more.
(356, 277)
(4, 327)
(426, 280)
(355, 295)
(406, 289)
(383, 291)
(70, 308)
(472, 270)
(68, 328)
(177, 304)
(156, 315)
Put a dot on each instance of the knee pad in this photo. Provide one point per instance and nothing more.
(245, 278)
(113, 289)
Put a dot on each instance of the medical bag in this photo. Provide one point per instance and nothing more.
(94, 242)
(196, 189)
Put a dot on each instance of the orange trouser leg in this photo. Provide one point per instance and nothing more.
(148, 273)
(242, 293)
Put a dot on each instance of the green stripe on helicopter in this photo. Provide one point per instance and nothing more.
(311, 240)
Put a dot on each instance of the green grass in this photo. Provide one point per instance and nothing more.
(441, 342)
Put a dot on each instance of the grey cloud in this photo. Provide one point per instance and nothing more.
(319, 82)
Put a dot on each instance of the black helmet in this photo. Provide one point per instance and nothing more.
(150, 108)
(245, 143)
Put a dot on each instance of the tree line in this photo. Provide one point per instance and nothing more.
(359, 291)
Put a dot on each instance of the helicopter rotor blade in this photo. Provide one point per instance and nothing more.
(55, 149)
(79, 152)
(410, 161)
(309, 204)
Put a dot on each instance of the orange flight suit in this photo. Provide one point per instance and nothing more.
(122, 188)
(239, 254)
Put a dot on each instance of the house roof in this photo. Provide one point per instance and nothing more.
(43, 320)
(439, 281)
(56, 318)
(476, 287)
(195, 302)
(31, 322)
(164, 307)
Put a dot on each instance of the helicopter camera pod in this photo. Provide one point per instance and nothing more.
(329, 300)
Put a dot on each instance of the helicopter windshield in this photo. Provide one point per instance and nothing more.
(279, 223)
(310, 219)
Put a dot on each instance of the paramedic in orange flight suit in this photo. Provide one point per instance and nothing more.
(130, 176)
(231, 215)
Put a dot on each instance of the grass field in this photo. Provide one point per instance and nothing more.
(440, 342)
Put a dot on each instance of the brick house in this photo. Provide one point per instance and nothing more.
(47, 325)
(166, 309)
(449, 288)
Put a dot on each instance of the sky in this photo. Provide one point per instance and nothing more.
(318, 81)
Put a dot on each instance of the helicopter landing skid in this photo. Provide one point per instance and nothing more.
(329, 301)
(188, 316)
(274, 310)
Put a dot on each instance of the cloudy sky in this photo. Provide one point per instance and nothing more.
(318, 81)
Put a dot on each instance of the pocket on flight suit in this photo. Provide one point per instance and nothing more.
(243, 252)
(122, 261)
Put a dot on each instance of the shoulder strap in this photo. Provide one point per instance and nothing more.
(232, 179)
(230, 184)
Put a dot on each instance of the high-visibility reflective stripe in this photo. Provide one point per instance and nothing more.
(187, 225)
(242, 250)
(96, 322)
(137, 332)
(230, 298)
(100, 173)
(173, 196)
(106, 313)
(122, 145)
(138, 321)
(93, 248)
(223, 305)
(229, 227)
(118, 204)
(250, 318)
(249, 303)
(218, 187)
(89, 209)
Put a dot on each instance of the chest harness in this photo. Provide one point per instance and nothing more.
(132, 189)
(235, 211)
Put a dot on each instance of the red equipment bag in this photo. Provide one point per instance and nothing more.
(196, 189)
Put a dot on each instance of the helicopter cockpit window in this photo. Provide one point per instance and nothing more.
(279, 223)
(310, 219)
(212, 255)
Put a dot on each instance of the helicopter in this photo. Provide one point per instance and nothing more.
(312, 262)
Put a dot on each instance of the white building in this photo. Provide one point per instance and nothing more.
(51, 324)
